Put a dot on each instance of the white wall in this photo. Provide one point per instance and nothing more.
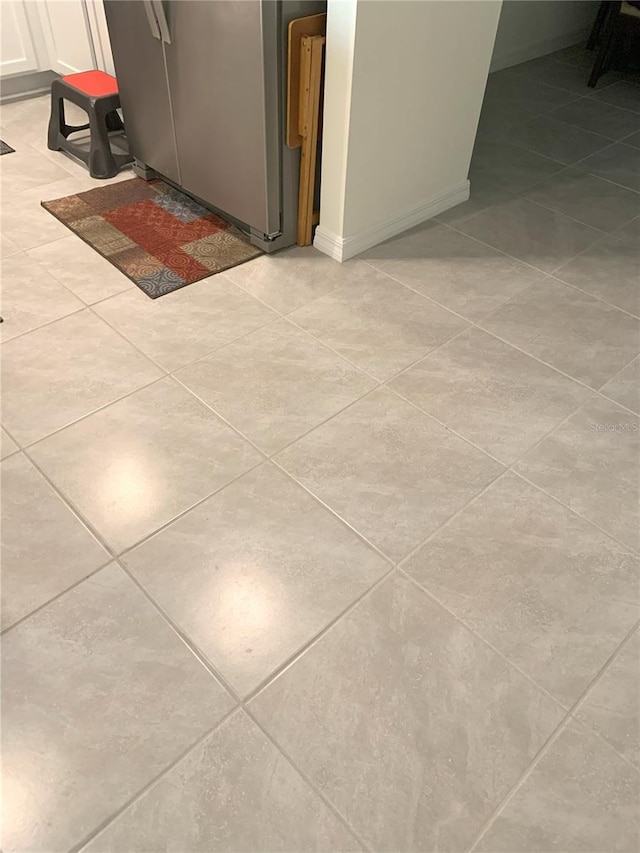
(531, 28)
(404, 87)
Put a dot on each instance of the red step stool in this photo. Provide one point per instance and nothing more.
(97, 93)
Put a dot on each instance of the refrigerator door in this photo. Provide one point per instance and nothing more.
(222, 64)
(138, 55)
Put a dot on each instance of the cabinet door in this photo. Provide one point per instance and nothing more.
(17, 50)
(66, 32)
(222, 63)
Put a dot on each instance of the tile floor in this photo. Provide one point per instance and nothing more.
(320, 557)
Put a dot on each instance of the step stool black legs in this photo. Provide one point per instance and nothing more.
(103, 118)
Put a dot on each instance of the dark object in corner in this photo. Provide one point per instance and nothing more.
(615, 23)
(6, 149)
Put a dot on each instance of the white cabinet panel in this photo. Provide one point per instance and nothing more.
(17, 50)
(67, 35)
(100, 35)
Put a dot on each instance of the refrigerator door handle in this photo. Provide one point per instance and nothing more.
(151, 18)
(158, 8)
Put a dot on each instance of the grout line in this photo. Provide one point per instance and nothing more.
(547, 746)
(484, 641)
(629, 549)
(55, 597)
(79, 846)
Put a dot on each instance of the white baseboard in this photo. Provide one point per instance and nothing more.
(533, 50)
(343, 248)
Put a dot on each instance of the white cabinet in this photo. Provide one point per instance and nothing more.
(17, 43)
(66, 31)
(64, 36)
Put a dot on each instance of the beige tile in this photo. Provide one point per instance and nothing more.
(543, 586)
(7, 445)
(454, 270)
(625, 387)
(57, 374)
(275, 384)
(80, 268)
(610, 269)
(612, 707)
(409, 724)
(620, 163)
(497, 397)
(508, 168)
(379, 324)
(24, 170)
(569, 330)
(26, 223)
(592, 464)
(45, 548)
(531, 233)
(100, 696)
(292, 278)
(135, 465)
(599, 117)
(254, 573)
(588, 199)
(235, 791)
(188, 323)
(580, 798)
(31, 297)
(390, 471)
(7, 246)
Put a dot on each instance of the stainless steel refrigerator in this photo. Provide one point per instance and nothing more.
(203, 92)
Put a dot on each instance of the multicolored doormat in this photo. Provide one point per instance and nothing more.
(6, 149)
(157, 236)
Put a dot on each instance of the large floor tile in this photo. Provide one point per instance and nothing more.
(588, 199)
(24, 170)
(379, 324)
(45, 548)
(25, 222)
(540, 237)
(410, 725)
(570, 330)
(55, 375)
(254, 573)
(580, 798)
(393, 473)
(557, 139)
(290, 279)
(592, 464)
(234, 791)
(508, 168)
(7, 247)
(31, 297)
(513, 94)
(612, 708)
(76, 265)
(610, 268)
(188, 323)
(99, 696)
(634, 139)
(275, 384)
(545, 588)
(7, 445)
(598, 117)
(139, 463)
(624, 94)
(625, 387)
(454, 270)
(620, 163)
(499, 398)
(550, 72)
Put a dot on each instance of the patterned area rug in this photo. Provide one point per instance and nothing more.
(6, 149)
(157, 236)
